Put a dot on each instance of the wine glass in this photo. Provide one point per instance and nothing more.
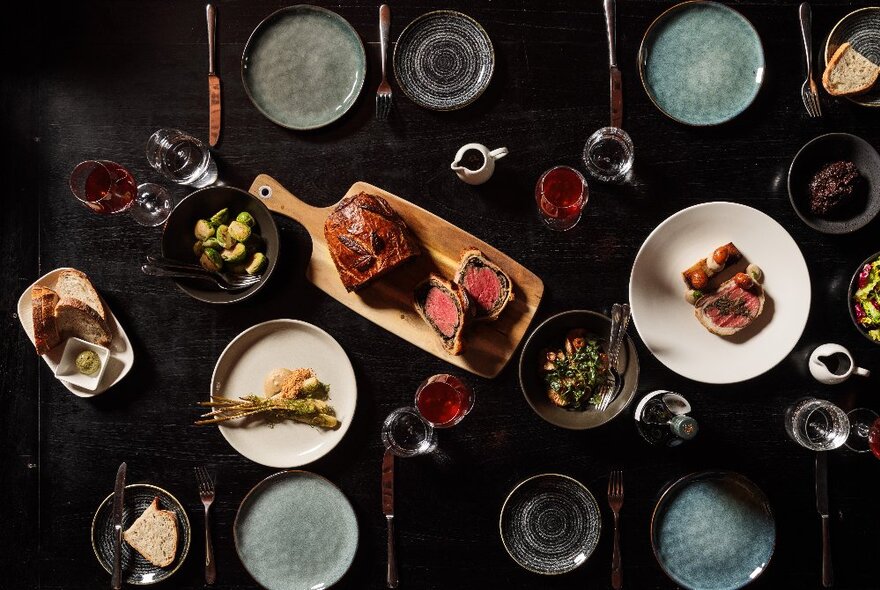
(107, 188)
(444, 400)
(874, 438)
(861, 422)
(817, 424)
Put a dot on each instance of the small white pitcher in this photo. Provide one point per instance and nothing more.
(482, 174)
(846, 366)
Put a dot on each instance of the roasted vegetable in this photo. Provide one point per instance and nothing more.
(220, 217)
(198, 248)
(212, 243)
(234, 254)
(239, 231)
(246, 218)
(273, 409)
(222, 235)
(573, 374)
(204, 229)
(211, 260)
(257, 263)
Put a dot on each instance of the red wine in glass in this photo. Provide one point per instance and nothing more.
(561, 193)
(104, 187)
(874, 438)
(443, 400)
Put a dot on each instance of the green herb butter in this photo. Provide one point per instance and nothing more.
(87, 362)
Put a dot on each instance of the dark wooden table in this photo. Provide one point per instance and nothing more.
(94, 80)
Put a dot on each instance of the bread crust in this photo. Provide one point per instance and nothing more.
(43, 302)
(366, 239)
(832, 65)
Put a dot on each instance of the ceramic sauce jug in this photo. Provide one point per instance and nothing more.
(474, 163)
(832, 364)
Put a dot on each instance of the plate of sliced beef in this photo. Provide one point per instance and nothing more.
(736, 312)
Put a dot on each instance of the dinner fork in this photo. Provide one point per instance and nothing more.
(162, 267)
(383, 94)
(206, 492)
(809, 91)
(615, 501)
(620, 314)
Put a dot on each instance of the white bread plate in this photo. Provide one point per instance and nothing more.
(121, 356)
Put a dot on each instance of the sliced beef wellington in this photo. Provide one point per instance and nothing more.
(444, 306)
(488, 288)
(730, 309)
(367, 238)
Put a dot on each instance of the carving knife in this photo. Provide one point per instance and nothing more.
(388, 511)
(616, 83)
(213, 82)
(118, 502)
(822, 507)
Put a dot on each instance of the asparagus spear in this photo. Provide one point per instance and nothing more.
(310, 411)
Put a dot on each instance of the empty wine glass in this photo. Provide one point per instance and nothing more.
(407, 434)
(107, 188)
(816, 424)
(861, 421)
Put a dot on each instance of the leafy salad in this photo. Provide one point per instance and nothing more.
(867, 299)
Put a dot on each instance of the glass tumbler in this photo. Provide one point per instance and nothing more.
(407, 434)
(817, 424)
(609, 154)
(181, 158)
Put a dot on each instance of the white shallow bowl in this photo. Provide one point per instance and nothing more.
(292, 344)
(66, 370)
(666, 322)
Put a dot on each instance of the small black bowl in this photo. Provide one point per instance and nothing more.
(551, 334)
(178, 239)
(831, 148)
(853, 287)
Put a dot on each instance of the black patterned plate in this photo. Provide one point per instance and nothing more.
(443, 60)
(135, 569)
(861, 28)
(550, 524)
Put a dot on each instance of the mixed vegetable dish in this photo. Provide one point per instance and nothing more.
(866, 300)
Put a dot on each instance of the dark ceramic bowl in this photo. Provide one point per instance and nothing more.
(853, 287)
(824, 150)
(178, 238)
(551, 334)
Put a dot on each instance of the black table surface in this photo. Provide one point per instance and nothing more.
(95, 79)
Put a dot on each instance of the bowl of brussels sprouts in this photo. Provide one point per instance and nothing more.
(224, 230)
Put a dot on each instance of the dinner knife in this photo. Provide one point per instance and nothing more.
(213, 82)
(388, 511)
(616, 83)
(118, 501)
(822, 507)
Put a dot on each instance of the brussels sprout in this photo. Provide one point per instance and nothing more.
(212, 243)
(235, 254)
(257, 263)
(211, 260)
(204, 229)
(198, 248)
(246, 218)
(220, 217)
(224, 238)
(239, 231)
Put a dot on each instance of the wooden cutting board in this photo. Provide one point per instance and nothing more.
(388, 300)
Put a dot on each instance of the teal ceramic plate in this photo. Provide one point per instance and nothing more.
(860, 28)
(701, 63)
(303, 67)
(713, 530)
(296, 531)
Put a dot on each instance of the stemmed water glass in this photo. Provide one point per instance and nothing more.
(107, 188)
(862, 422)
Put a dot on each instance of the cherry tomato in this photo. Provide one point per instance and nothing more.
(743, 281)
(698, 279)
(720, 255)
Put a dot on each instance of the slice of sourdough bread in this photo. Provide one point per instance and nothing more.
(80, 311)
(154, 535)
(46, 335)
(849, 72)
(73, 284)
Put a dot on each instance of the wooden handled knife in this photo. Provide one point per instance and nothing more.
(213, 82)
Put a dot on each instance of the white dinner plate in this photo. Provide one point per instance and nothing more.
(666, 322)
(121, 354)
(291, 344)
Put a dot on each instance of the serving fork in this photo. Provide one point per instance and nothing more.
(383, 94)
(206, 493)
(809, 90)
(620, 314)
(163, 267)
(615, 501)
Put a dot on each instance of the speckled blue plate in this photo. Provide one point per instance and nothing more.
(713, 530)
(550, 524)
(443, 60)
(296, 531)
(701, 63)
(303, 67)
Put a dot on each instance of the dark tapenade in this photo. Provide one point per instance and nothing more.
(833, 186)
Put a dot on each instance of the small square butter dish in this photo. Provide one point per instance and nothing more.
(68, 371)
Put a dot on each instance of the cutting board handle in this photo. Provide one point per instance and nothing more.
(281, 201)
